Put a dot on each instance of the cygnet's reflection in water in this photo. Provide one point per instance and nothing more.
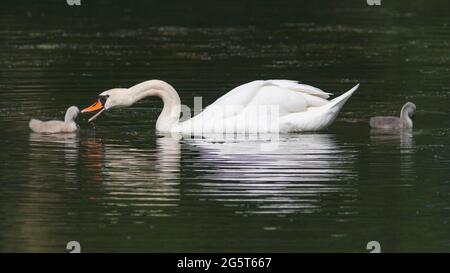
(50, 170)
(47, 150)
(403, 139)
(302, 174)
(67, 142)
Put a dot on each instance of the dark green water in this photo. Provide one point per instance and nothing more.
(117, 186)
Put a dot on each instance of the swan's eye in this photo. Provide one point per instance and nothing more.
(103, 99)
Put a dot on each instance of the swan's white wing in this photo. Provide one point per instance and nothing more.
(241, 95)
(303, 88)
(289, 96)
(244, 94)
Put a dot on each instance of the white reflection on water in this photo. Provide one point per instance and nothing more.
(146, 179)
(304, 174)
(116, 175)
(301, 175)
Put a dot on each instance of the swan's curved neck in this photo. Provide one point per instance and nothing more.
(170, 114)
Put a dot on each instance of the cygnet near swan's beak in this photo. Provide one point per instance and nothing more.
(57, 126)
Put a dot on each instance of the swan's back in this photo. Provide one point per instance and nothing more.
(268, 106)
(288, 96)
(246, 93)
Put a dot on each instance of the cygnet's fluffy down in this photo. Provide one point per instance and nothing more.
(404, 121)
(57, 126)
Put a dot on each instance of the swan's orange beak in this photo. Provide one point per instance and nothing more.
(94, 107)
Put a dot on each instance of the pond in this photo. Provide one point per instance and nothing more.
(118, 186)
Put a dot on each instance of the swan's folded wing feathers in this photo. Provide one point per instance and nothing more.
(244, 93)
(240, 95)
(295, 86)
(233, 102)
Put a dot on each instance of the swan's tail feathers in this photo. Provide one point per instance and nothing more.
(336, 104)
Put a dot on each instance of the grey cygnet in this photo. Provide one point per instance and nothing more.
(404, 121)
(57, 126)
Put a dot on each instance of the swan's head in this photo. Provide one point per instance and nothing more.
(112, 98)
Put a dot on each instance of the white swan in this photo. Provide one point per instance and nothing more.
(259, 106)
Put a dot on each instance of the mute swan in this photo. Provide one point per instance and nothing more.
(248, 108)
(57, 126)
(405, 120)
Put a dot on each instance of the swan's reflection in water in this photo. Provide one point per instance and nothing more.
(103, 185)
(303, 174)
(109, 175)
(144, 178)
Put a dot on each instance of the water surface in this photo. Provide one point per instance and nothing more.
(118, 186)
